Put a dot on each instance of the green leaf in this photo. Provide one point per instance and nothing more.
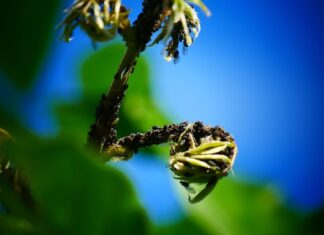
(9, 122)
(187, 226)
(14, 225)
(138, 112)
(75, 194)
(243, 209)
(313, 223)
(26, 30)
(237, 208)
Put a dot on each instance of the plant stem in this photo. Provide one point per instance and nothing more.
(103, 132)
(156, 136)
(125, 147)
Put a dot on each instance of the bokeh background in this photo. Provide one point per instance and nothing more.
(255, 69)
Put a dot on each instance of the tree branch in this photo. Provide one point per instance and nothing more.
(103, 132)
(125, 147)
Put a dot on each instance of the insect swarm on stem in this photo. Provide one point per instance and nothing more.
(199, 154)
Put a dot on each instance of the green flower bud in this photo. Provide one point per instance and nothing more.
(100, 19)
(202, 160)
(180, 24)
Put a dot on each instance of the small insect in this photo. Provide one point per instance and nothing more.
(204, 162)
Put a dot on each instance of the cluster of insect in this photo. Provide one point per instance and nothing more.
(201, 162)
(194, 159)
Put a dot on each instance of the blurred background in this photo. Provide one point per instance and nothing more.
(256, 69)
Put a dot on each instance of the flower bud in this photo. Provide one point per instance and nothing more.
(202, 159)
(180, 24)
(100, 19)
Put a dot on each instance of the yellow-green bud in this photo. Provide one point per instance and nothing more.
(201, 161)
(100, 19)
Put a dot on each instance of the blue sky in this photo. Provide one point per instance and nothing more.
(256, 69)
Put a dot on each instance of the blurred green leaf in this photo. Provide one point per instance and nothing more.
(237, 208)
(138, 112)
(75, 194)
(241, 209)
(9, 122)
(186, 226)
(11, 201)
(14, 225)
(26, 29)
(313, 223)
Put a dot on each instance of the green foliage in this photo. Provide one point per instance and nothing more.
(75, 194)
(80, 195)
(187, 226)
(242, 209)
(25, 34)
